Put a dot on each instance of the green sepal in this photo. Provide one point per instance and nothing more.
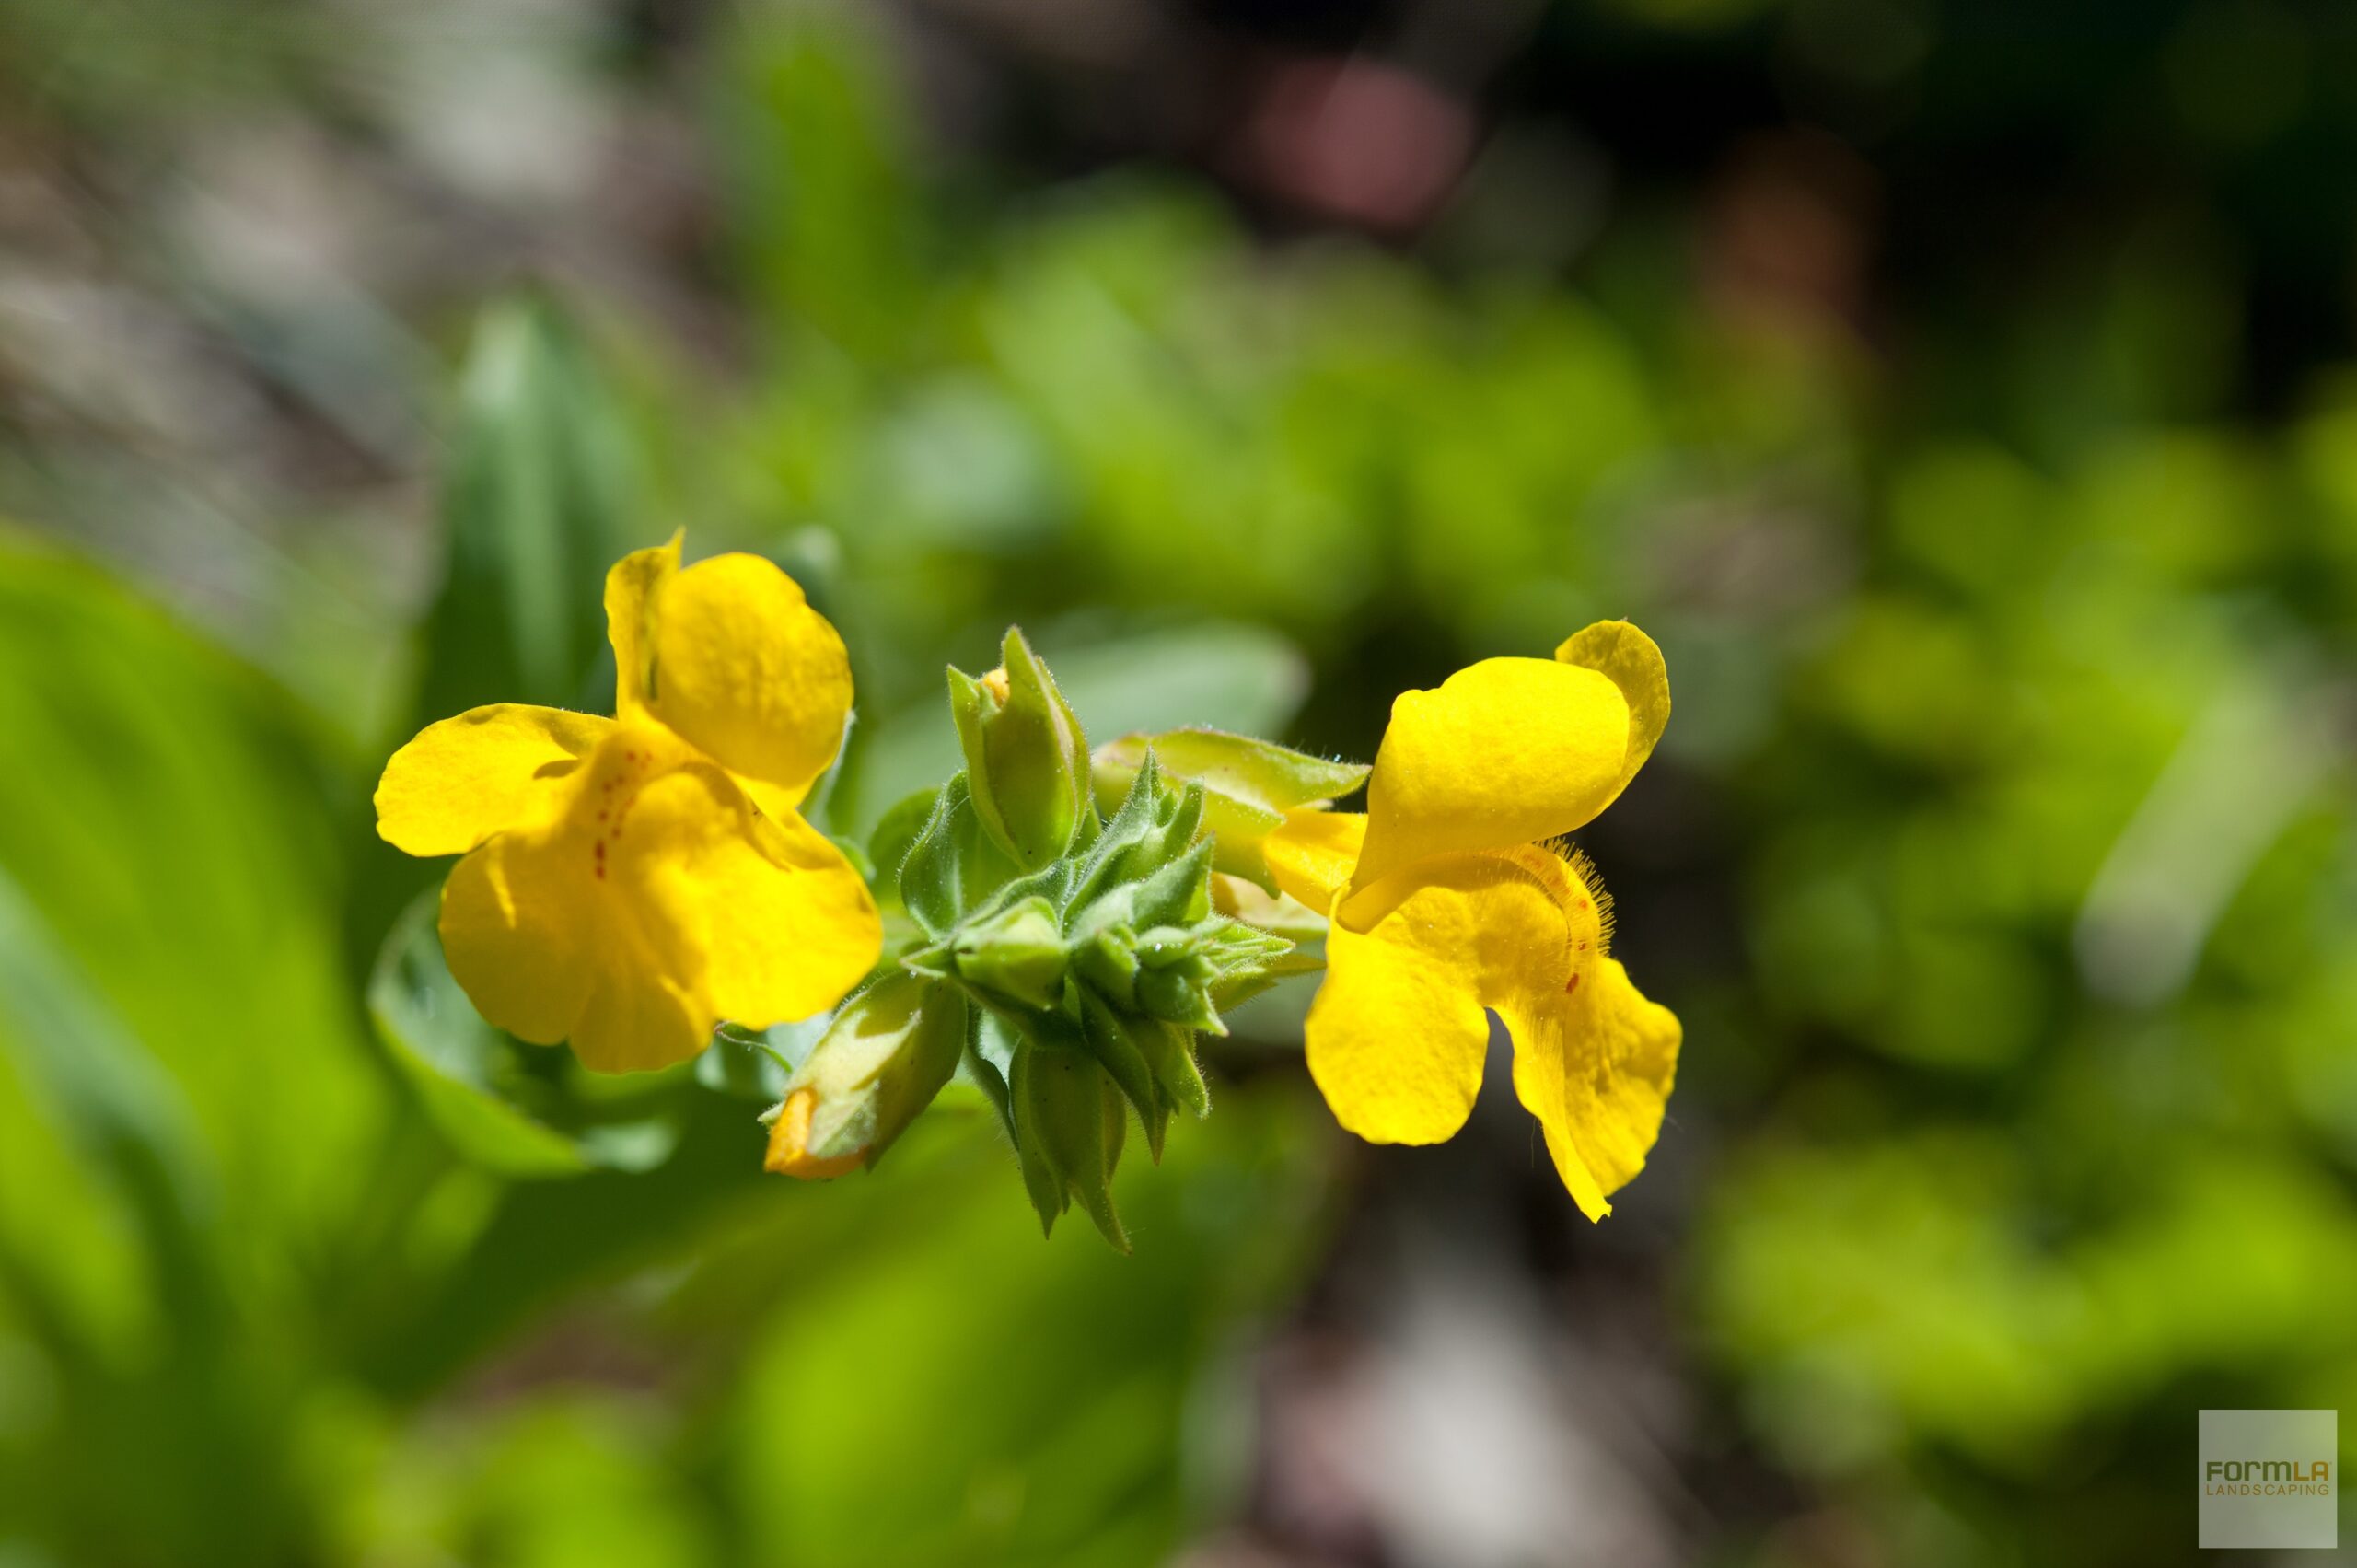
(952, 865)
(1068, 1124)
(1178, 997)
(1151, 828)
(1170, 1051)
(1016, 953)
(1239, 980)
(988, 1060)
(1106, 956)
(896, 832)
(1178, 894)
(1249, 785)
(1112, 1040)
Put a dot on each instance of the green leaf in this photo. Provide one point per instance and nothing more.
(1178, 894)
(819, 190)
(1236, 985)
(190, 1122)
(1150, 829)
(175, 832)
(1170, 1052)
(117, 1118)
(1015, 954)
(539, 500)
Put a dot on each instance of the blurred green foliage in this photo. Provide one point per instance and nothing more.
(2002, 859)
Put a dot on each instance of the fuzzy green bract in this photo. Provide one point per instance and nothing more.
(1079, 967)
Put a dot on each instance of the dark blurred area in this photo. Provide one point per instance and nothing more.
(1963, 394)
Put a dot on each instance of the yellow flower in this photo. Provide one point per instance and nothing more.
(630, 882)
(1448, 897)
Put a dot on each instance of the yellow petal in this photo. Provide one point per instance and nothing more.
(1627, 657)
(1504, 752)
(640, 1015)
(634, 588)
(533, 932)
(789, 1151)
(653, 903)
(489, 769)
(747, 671)
(1594, 1065)
(1396, 1034)
(760, 920)
(1312, 854)
(769, 799)
(520, 929)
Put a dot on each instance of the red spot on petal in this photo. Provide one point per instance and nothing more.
(1569, 986)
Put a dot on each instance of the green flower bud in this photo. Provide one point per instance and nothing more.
(1027, 761)
(1018, 954)
(882, 1060)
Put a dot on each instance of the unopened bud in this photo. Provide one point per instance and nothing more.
(883, 1059)
(1027, 761)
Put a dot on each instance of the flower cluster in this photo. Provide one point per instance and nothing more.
(1075, 955)
(1075, 920)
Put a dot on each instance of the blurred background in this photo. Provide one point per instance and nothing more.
(1962, 391)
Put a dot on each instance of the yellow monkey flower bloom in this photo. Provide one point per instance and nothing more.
(1449, 897)
(630, 882)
